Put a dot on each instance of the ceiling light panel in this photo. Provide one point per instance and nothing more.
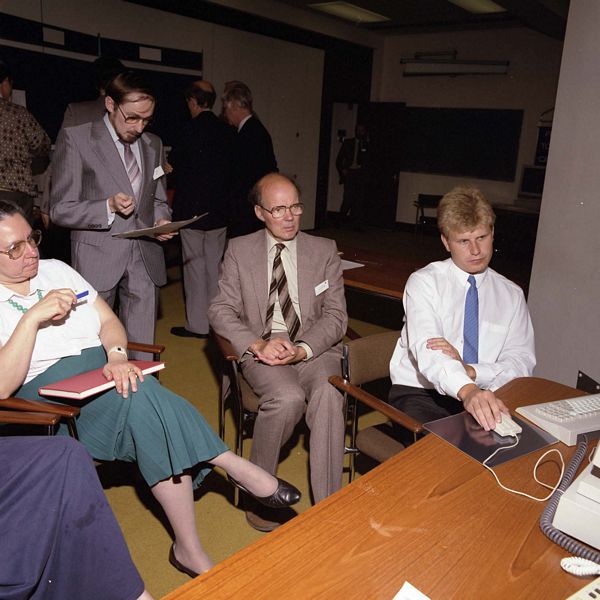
(479, 6)
(350, 12)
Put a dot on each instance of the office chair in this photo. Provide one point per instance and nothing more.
(366, 361)
(422, 203)
(236, 391)
(49, 414)
(234, 388)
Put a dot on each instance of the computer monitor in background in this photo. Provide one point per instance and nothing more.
(532, 182)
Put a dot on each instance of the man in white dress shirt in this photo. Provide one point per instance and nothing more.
(433, 371)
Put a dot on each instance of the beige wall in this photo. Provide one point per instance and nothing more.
(565, 284)
(530, 85)
(285, 78)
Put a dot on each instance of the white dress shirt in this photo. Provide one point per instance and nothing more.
(434, 301)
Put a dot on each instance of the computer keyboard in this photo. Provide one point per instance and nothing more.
(565, 419)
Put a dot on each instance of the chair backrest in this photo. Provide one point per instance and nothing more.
(368, 358)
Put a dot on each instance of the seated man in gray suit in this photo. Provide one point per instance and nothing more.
(281, 304)
(108, 178)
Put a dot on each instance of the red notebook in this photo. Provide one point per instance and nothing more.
(87, 384)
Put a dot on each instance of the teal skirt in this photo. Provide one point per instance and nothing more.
(154, 427)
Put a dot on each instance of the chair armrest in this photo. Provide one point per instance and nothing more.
(225, 346)
(375, 403)
(20, 404)
(29, 418)
(156, 349)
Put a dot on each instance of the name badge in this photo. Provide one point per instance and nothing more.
(158, 172)
(319, 289)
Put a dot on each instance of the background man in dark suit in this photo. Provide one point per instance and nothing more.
(352, 163)
(287, 355)
(96, 195)
(254, 156)
(202, 159)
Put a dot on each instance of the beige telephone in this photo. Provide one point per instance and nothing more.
(578, 511)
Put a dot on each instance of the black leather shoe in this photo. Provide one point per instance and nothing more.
(285, 494)
(178, 565)
(183, 332)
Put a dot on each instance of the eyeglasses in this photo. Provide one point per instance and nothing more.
(131, 120)
(278, 212)
(17, 249)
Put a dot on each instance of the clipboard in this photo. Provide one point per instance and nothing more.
(157, 230)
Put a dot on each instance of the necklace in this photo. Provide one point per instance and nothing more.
(20, 307)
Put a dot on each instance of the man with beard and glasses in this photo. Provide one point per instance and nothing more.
(108, 179)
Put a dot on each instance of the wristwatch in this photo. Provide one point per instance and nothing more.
(118, 349)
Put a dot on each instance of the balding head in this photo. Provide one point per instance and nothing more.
(270, 195)
(200, 95)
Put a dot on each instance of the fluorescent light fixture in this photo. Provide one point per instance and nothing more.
(415, 67)
(479, 6)
(350, 12)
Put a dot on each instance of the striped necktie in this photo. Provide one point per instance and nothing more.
(279, 288)
(471, 324)
(133, 169)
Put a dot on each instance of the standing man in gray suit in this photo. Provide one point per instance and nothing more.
(281, 304)
(108, 178)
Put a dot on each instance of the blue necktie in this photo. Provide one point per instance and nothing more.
(471, 325)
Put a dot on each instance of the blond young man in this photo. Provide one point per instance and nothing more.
(436, 369)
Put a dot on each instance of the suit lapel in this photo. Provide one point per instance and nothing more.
(304, 258)
(259, 270)
(107, 152)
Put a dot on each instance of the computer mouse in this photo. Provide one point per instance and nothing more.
(507, 427)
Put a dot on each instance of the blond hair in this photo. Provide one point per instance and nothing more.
(464, 209)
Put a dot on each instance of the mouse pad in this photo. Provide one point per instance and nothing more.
(464, 433)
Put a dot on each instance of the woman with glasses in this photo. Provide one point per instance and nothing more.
(48, 334)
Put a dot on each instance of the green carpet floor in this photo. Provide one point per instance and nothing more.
(192, 371)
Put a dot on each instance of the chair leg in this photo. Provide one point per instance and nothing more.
(72, 427)
(225, 390)
(353, 439)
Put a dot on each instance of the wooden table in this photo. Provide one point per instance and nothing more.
(382, 274)
(429, 515)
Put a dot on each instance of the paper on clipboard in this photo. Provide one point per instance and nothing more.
(350, 264)
(152, 231)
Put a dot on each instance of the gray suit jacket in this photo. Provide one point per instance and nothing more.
(238, 312)
(86, 171)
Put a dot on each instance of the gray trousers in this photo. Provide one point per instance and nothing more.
(202, 252)
(285, 393)
(138, 302)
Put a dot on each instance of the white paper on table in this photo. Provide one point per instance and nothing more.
(410, 592)
(348, 264)
(151, 231)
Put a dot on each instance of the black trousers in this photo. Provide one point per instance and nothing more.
(421, 404)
